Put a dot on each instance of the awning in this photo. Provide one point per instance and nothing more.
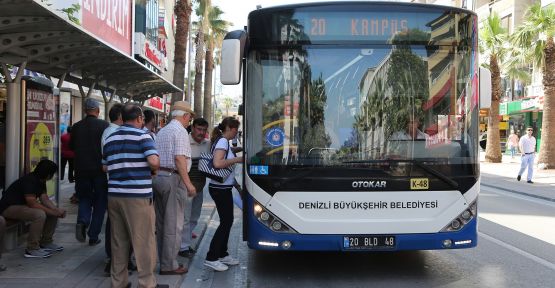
(52, 45)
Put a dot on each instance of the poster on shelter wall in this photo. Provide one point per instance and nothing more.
(41, 139)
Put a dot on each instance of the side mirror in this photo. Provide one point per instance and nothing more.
(485, 88)
(233, 48)
(241, 110)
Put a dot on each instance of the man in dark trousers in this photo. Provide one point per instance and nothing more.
(91, 184)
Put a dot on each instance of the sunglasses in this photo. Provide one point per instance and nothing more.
(529, 130)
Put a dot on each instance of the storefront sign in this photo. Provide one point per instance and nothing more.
(148, 51)
(156, 103)
(110, 20)
(503, 109)
(528, 104)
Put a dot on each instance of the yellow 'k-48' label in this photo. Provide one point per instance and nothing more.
(419, 184)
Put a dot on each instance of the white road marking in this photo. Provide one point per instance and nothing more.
(519, 251)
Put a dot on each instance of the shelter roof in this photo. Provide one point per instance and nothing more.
(54, 46)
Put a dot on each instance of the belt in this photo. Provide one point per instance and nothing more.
(529, 153)
(171, 170)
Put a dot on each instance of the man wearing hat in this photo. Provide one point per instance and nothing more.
(172, 186)
(91, 184)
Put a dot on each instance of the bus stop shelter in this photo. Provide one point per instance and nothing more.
(34, 37)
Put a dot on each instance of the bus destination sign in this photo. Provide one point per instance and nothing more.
(353, 26)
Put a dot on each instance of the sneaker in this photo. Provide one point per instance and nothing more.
(216, 265)
(530, 181)
(80, 232)
(51, 247)
(228, 260)
(189, 253)
(518, 178)
(37, 253)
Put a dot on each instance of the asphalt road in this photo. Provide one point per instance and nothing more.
(516, 248)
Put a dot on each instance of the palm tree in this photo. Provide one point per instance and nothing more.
(217, 29)
(535, 35)
(227, 103)
(182, 12)
(493, 45)
(203, 9)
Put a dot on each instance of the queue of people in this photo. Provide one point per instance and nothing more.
(148, 183)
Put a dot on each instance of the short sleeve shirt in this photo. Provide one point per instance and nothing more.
(173, 140)
(125, 154)
(223, 144)
(29, 184)
(528, 144)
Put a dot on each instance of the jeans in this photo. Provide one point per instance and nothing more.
(224, 204)
(69, 171)
(513, 151)
(93, 200)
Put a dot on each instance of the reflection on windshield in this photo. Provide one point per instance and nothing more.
(331, 105)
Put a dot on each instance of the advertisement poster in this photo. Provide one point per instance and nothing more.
(41, 138)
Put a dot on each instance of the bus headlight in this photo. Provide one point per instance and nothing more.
(460, 221)
(270, 220)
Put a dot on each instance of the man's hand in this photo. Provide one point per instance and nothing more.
(61, 213)
(191, 190)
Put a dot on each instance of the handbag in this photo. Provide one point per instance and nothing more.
(206, 166)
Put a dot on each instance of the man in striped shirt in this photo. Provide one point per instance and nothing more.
(130, 157)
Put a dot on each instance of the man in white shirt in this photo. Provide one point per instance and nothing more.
(172, 186)
(193, 207)
(527, 145)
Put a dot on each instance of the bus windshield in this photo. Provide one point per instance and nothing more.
(336, 105)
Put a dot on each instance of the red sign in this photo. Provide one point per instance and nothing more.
(156, 102)
(110, 20)
(153, 55)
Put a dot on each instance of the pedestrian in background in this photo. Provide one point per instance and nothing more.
(130, 157)
(193, 206)
(90, 180)
(513, 141)
(150, 124)
(218, 258)
(172, 186)
(527, 145)
(67, 156)
(19, 202)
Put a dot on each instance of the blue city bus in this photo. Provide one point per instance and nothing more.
(360, 126)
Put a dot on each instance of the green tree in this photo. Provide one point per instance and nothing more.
(202, 11)
(217, 30)
(493, 45)
(535, 36)
(182, 12)
(227, 103)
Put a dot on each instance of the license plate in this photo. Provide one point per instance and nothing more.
(368, 242)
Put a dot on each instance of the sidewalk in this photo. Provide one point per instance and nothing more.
(503, 176)
(79, 265)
